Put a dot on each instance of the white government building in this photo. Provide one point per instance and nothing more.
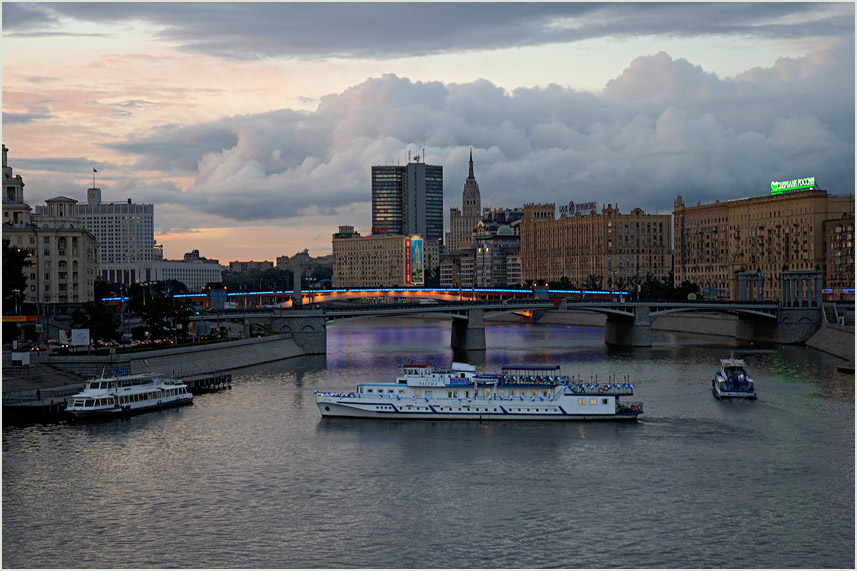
(128, 253)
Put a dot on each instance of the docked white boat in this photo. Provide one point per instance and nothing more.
(516, 393)
(128, 395)
(733, 380)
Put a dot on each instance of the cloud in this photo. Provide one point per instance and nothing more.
(394, 30)
(689, 133)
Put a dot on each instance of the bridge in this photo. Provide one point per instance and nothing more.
(629, 324)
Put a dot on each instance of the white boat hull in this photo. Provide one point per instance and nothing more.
(128, 409)
(331, 407)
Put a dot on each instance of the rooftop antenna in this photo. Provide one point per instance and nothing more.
(409, 156)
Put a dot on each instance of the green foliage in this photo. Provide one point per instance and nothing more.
(102, 289)
(14, 279)
(593, 282)
(99, 318)
(268, 280)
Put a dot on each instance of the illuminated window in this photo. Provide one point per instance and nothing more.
(582, 401)
(593, 400)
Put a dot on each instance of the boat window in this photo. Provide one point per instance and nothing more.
(544, 392)
(89, 402)
(501, 392)
(390, 391)
(535, 392)
(593, 400)
(512, 392)
(582, 401)
(428, 394)
(416, 393)
(370, 390)
(603, 401)
(467, 394)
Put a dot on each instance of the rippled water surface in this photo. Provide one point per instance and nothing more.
(254, 477)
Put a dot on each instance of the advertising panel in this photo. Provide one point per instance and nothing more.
(407, 261)
(80, 337)
(778, 187)
(417, 265)
(584, 208)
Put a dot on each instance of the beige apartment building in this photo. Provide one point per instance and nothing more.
(767, 234)
(63, 254)
(618, 249)
(379, 261)
(839, 241)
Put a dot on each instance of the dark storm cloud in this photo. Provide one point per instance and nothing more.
(692, 134)
(33, 113)
(393, 30)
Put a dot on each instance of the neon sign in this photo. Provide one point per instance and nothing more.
(781, 186)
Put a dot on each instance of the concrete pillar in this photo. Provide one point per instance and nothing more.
(629, 332)
(469, 334)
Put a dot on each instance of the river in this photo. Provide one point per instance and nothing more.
(253, 476)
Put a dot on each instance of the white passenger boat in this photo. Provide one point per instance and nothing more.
(732, 380)
(517, 393)
(127, 395)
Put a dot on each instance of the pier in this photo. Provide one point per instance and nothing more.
(198, 384)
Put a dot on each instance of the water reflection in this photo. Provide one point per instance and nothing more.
(267, 482)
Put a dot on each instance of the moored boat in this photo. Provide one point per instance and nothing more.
(106, 397)
(733, 380)
(516, 393)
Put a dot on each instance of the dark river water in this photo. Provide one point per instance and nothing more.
(253, 476)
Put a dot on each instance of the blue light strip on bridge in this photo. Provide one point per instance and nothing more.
(449, 291)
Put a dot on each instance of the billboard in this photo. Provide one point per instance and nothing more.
(584, 208)
(407, 261)
(778, 187)
(417, 264)
(74, 337)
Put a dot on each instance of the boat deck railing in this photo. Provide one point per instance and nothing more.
(612, 389)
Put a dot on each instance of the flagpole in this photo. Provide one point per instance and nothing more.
(93, 176)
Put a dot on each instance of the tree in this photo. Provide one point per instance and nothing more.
(102, 289)
(14, 285)
(99, 318)
(14, 279)
(593, 282)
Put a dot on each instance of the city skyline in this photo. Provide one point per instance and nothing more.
(259, 143)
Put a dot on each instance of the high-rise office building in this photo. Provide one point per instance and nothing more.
(408, 200)
(387, 195)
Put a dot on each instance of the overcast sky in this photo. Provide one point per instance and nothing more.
(252, 127)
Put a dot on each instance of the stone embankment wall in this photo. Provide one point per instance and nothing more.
(834, 339)
(204, 358)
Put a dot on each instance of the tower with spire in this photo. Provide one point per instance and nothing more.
(471, 204)
(462, 223)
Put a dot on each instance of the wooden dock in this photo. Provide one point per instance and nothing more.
(207, 383)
